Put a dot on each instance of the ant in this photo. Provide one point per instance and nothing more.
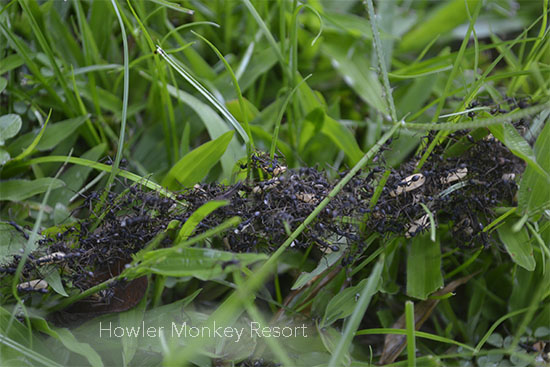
(134, 220)
(88, 202)
(225, 264)
(109, 161)
(104, 297)
(8, 270)
(19, 229)
(53, 258)
(272, 167)
(36, 285)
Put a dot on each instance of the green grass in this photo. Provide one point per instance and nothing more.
(178, 93)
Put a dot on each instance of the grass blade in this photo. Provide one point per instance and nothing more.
(202, 90)
(411, 341)
(29, 353)
(357, 315)
(122, 132)
(381, 62)
(244, 110)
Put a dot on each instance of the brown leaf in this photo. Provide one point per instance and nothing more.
(121, 296)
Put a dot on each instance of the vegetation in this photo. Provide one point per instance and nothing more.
(343, 182)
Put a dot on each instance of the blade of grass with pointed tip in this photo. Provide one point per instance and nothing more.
(202, 90)
(198, 215)
(100, 166)
(48, 138)
(11, 62)
(214, 125)
(125, 94)
(267, 35)
(244, 109)
(174, 6)
(195, 165)
(44, 44)
(518, 245)
(282, 109)
(353, 323)
(419, 334)
(25, 53)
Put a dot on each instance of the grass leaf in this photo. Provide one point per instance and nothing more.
(52, 136)
(342, 304)
(201, 263)
(198, 215)
(509, 136)
(356, 73)
(444, 18)
(194, 166)
(202, 90)
(518, 245)
(174, 6)
(364, 300)
(69, 341)
(11, 241)
(534, 191)
(214, 125)
(327, 262)
(423, 267)
(9, 126)
(20, 189)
